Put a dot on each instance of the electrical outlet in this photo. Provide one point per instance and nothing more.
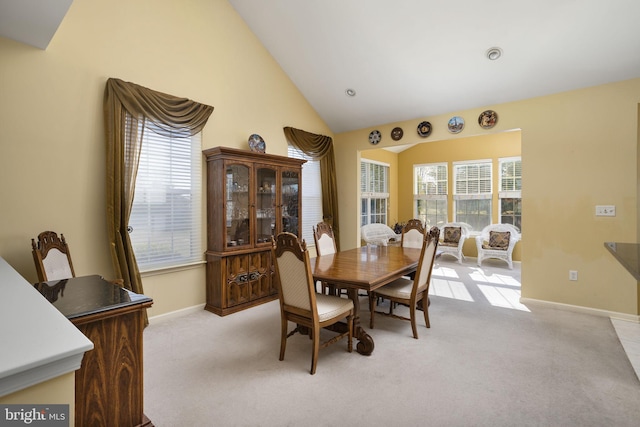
(605, 210)
(573, 275)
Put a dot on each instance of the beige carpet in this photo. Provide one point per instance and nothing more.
(486, 361)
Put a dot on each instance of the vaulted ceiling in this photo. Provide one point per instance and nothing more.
(416, 58)
(409, 59)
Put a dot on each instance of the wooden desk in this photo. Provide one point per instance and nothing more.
(109, 382)
(368, 268)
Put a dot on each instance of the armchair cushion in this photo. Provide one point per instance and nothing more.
(452, 235)
(499, 240)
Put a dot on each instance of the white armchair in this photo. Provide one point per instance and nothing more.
(497, 241)
(379, 234)
(452, 239)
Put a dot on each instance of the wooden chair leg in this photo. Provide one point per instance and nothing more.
(412, 313)
(283, 338)
(316, 349)
(425, 310)
(350, 337)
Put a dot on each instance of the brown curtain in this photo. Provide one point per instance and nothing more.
(127, 102)
(320, 147)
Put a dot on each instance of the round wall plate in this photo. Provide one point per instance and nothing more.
(424, 129)
(396, 134)
(375, 136)
(257, 144)
(488, 119)
(456, 124)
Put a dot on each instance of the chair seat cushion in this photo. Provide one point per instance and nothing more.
(448, 244)
(399, 288)
(452, 235)
(330, 306)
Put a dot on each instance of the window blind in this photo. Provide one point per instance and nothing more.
(166, 219)
(311, 194)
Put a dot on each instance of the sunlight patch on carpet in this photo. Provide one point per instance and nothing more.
(502, 297)
(449, 289)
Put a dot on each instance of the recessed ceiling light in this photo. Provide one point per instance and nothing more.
(350, 92)
(494, 53)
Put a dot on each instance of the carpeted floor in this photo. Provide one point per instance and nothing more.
(487, 360)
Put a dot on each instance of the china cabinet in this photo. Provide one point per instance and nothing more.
(250, 198)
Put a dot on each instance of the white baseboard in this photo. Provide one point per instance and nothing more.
(588, 310)
(176, 313)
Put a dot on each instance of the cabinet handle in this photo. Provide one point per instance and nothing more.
(242, 278)
(254, 275)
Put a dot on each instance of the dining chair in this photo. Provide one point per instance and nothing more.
(52, 257)
(299, 302)
(413, 234)
(325, 245)
(410, 292)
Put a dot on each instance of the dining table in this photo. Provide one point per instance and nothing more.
(364, 268)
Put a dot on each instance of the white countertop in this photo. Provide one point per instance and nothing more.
(37, 342)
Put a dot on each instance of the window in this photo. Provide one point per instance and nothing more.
(374, 192)
(311, 194)
(510, 193)
(430, 184)
(166, 217)
(472, 193)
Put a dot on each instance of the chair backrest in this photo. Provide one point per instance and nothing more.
(293, 273)
(377, 234)
(325, 241)
(413, 234)
(52, 257)
(427, 257)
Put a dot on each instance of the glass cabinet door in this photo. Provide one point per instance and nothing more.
(237, 205)
(265, 204)
(290, 215)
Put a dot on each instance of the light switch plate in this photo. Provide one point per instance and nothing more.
(605, 210)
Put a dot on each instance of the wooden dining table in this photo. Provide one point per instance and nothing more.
(364, 268)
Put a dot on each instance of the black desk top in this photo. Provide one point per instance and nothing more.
(82, 296)
(628, 254)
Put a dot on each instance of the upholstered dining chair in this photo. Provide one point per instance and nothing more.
(413, 234)
(325, 245)
(497, 241)
(452, 239)
(299, 302)
(410, 292)
(52, 257)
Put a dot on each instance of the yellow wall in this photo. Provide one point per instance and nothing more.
(579, 150)
(52, 167)
(58, 390)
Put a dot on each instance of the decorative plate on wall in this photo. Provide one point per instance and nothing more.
(488, 119)
(256, 143)
(456, 124)
(396, 134)
(375, 136)
(424, 129)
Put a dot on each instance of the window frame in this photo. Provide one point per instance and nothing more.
(515, 193)
(368, 195)
(312, 212)
(438, 197)
(144, 243)
(479, 195)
